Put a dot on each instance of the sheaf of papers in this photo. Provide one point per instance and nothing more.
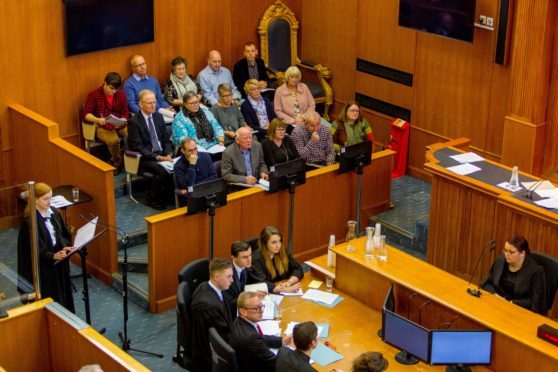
(269, 309)
(167, 113)
(297, 293)
(468, 157)
(58, 201)
(464, 169)
(320, 296)
(270, 327)
(85, 233)
(548, 203)
(290, 327)
(276, 298)
(257, 287)
(169, 165)
(115, 121)
(215, 149)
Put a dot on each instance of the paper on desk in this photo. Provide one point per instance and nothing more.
(548, 203)
(269, 310)
(270, 327)
(58, 201)
(507, 186)
(276, 298)
(315, 284)
(548, 193)
(215, 149)
(545, 185)
(468, 157)
(323, 355)
(257, 287)
(290, 327)
(320, 296)
(330, 306)
(464, 169)
(297, 293)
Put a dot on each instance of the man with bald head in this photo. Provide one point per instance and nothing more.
(214, 75)
(313, 141)
(243, 161)
(140, 81)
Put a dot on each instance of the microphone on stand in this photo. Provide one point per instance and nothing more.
(477, 292)
(411, 296)
(529, 193)
(424, 304)
(450, 323)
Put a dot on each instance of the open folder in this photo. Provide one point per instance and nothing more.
(84, 235)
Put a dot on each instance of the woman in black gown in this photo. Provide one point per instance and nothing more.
(54, 242)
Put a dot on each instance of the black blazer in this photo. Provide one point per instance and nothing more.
(236, 288)
(252, 349)
(258, 271)
(139, 139)
(54, 279)
(207, 311)
(277, 155)
(293, 360)
(240, 73)
(530, 287)
(251, 117)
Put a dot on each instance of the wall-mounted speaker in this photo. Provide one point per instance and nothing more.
(503, 38)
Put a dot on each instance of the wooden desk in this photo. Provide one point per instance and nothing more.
(516, 346)
(353, 328)
(322, 207)
(471, 212)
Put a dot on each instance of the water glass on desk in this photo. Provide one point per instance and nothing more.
(329, 284)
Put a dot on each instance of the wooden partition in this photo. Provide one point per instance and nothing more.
(466, 213)
(44, 336)
(322, 207)
(45, 157)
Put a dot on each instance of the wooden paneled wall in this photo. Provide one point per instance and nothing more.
(36, 73)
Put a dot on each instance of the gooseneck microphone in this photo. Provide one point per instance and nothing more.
(411, 296)
(477, 292)
(450, 323)
(423, 305)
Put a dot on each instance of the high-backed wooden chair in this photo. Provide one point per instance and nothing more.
(278, 31)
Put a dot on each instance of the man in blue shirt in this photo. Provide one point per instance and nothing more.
(192, 168)
(214, 75)
(140, 81)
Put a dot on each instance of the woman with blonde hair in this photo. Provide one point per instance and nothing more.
(293, 99)
(271, 263)
(54, 241)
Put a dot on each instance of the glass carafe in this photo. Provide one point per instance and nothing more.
(351, 236)
(369, 247)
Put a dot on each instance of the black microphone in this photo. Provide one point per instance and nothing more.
(450, 323)
(529, 193)
(411, 296)
(424, 304)
(477, 292)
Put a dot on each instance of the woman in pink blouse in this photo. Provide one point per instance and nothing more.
(293, 99)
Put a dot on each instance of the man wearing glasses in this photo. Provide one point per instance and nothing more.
(192, 168)
(102, 102)
(247, 338)
(140, 81)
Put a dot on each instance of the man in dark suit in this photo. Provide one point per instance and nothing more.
(209, 309)
(147, 135)
(243, 161)
(305, 337)
(249, 67)
(247, 339)
(241, 255)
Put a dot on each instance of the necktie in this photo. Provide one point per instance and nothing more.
(154, 141)
(259, 329)
(242, 279)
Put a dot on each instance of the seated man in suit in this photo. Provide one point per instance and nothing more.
(250, 67)
(248, 340)
(209, 309)
(147, 135)
(104, 101)
(313, 142)
(305, 337)
(192, 167)
(214, 75)
(140, 81)
(241, 255)
(243, 161)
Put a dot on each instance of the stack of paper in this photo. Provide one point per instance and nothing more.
(322, 331)
(169, 165)
(269, 310)
(297, 293)
(464, 169)
(58, 201)
(115, 121)
(270, 327)
(320, 296)
(468, 157)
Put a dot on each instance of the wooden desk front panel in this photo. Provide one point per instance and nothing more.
(322, 207)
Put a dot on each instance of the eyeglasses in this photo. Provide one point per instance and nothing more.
(257, 308)
(506, 251)
(354, 110)
(140, 64)
(281, 129)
